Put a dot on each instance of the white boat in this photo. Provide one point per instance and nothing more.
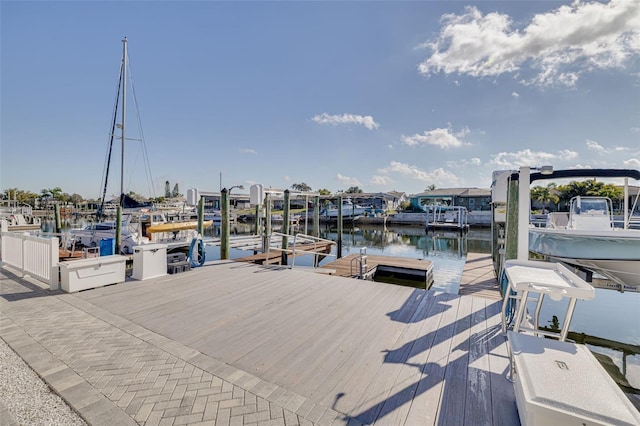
(19, 217)
(92, 235)
(349, 210)
(586, 237)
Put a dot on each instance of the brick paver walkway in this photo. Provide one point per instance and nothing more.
(115, 372)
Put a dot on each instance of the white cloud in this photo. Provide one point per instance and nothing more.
(348, 181)
(438, 176)
(248, 151)
(580, 166)
(510, 160)
(366, 121)
(515, 95)
(557, 47)
(381, 180)
(443, 138)
(595, 146)
(464, 163)
(632, 162)
(621, 148)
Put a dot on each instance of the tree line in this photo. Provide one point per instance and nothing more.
(552, 195)
(558, 196)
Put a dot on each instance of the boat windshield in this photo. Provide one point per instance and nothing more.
(591, 206)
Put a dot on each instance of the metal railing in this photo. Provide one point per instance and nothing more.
(34, 256)
(362, 263)
(300, 245)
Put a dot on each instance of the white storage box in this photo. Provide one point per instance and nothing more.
(561, 383)
(149, 261)
(94, 272)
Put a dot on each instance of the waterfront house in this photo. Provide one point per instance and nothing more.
(473, 199)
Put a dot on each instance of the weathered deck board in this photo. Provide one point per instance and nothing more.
(372, 351)
(478, 278)
(454, 392)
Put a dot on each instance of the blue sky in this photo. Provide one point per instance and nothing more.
(380, 95)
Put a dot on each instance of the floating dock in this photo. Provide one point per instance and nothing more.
(416, 270)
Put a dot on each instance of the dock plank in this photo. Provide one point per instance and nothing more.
(478, 277)
(373, 352)
(453, 398)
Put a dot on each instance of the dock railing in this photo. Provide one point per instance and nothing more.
(30, 255)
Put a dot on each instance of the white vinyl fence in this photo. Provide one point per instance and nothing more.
(34, 256)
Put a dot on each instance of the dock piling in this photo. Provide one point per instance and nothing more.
(224, 224)
(339, 238)
(285, 224)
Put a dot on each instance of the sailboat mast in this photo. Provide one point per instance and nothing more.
(124, 115)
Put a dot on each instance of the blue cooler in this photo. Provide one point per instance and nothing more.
(107, 246)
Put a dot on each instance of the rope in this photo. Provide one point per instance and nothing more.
(197, 258)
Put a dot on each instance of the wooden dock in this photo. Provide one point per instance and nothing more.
(370, 351)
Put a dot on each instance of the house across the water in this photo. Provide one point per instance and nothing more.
(473, 199)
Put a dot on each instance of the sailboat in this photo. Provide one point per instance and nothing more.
(138, 227)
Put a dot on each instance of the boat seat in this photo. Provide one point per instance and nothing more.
(562, 383)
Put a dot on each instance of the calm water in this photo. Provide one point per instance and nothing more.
(611, 315)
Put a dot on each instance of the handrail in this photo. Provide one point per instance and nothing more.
(299, 239)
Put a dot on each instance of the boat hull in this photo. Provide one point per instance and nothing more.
(347, 212)
(614, 253)
(619, 271)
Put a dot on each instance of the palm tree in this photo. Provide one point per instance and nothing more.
(544, 195)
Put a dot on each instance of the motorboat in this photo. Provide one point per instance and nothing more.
(349, 210)
(587, 237)
(19, 217)
(92, 234)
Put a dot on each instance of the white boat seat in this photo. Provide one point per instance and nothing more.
(561, 383)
